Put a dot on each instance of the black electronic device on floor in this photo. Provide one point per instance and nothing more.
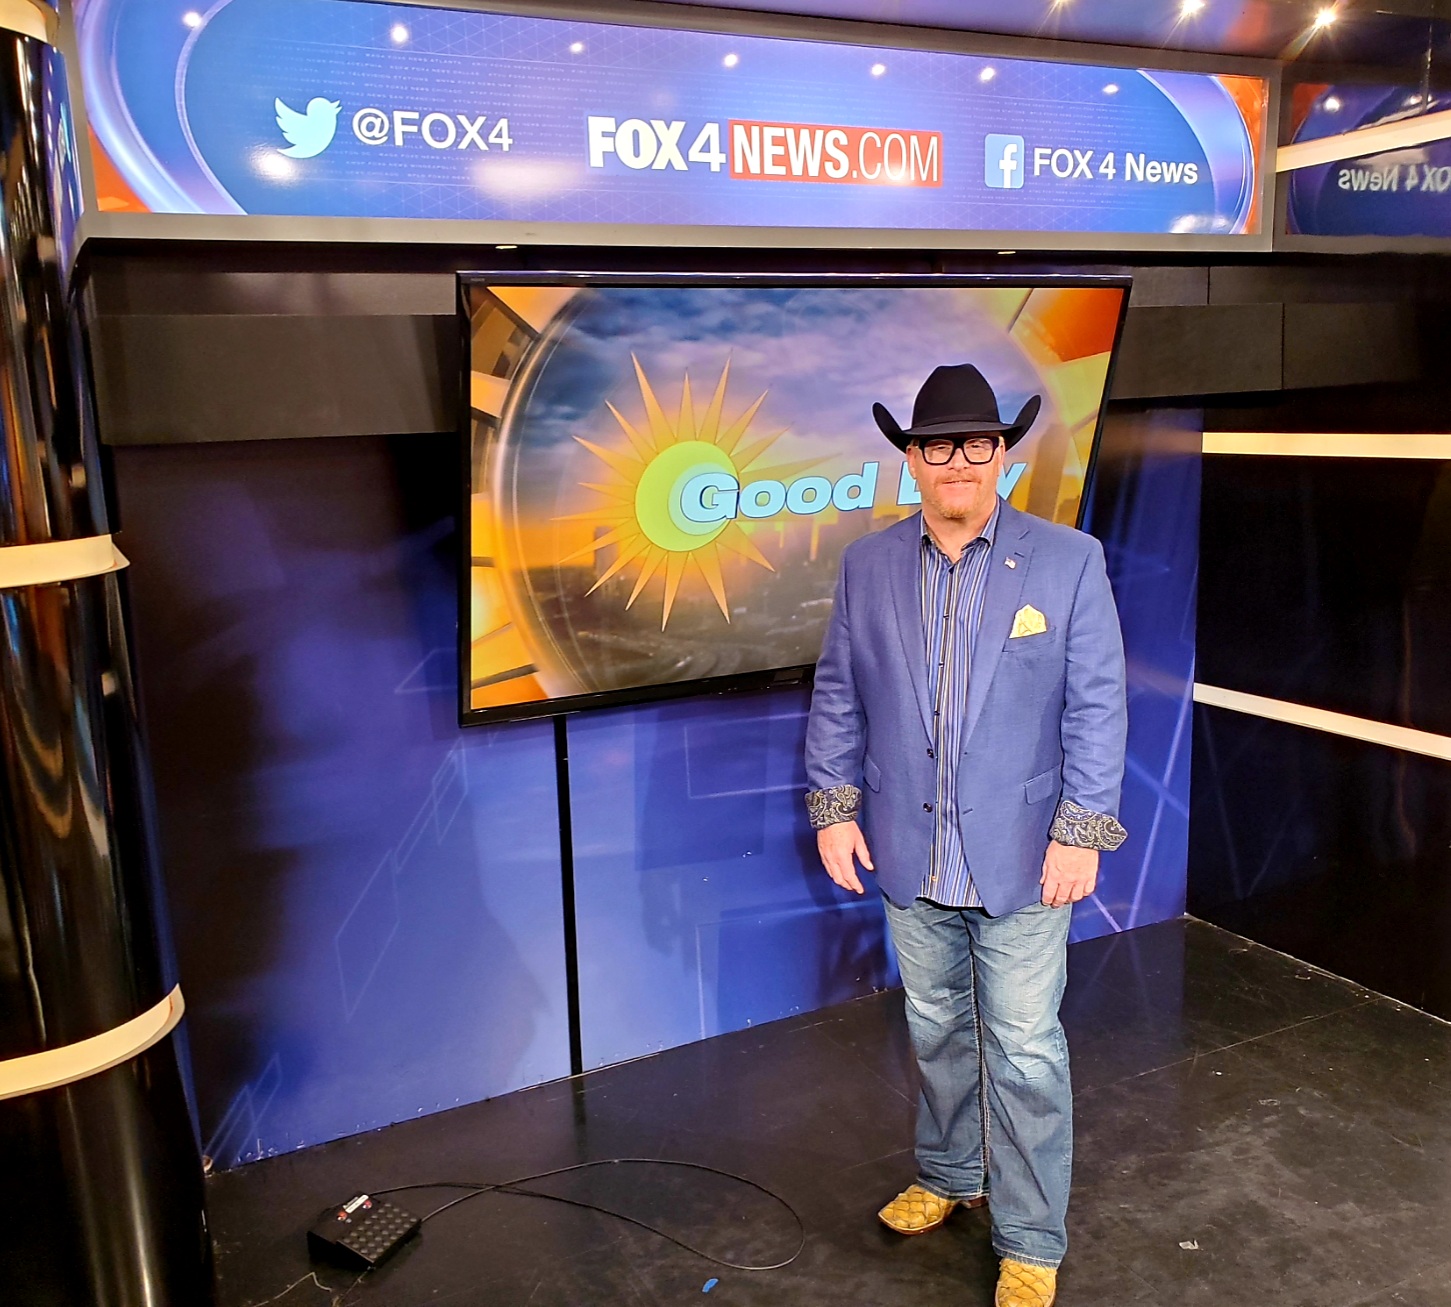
(362, 1232)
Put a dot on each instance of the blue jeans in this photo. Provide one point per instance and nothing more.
(982, 1008)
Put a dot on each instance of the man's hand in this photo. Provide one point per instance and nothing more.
(1069, 873)
(838, 844)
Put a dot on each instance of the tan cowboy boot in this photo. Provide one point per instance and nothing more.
(1021, 1285)
(916, 1210)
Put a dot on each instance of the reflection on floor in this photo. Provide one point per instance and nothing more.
(1250, 1131)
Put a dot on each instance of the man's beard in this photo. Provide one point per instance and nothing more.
(954, 511)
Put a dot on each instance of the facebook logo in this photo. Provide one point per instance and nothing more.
(1003, 162)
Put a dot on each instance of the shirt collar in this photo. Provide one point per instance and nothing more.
(988, 533)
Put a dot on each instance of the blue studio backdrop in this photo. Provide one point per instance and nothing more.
(368, 898)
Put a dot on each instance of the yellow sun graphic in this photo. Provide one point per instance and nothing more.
(644, 510)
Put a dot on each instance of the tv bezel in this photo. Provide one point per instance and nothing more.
(770, 678)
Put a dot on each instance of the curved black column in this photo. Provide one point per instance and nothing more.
(103, 1181)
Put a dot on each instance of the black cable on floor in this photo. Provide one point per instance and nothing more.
(515, 1187)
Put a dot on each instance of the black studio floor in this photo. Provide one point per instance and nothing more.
(1250, 1131)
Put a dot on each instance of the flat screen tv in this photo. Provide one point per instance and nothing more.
(664, 470)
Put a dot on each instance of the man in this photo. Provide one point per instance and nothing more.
(969, 709)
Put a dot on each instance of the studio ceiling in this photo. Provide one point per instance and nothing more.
(1387, 34)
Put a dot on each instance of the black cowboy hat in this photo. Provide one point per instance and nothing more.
(956, 400)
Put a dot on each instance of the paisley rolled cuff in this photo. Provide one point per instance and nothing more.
(1085, 828)
(828, 807)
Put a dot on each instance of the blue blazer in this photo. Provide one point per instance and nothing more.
(1046, 713)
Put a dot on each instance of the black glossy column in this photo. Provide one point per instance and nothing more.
(103, 1200)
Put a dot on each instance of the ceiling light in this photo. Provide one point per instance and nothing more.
(1188, 8)
(987, 74)
(731, 60)
(878, 69)
(1324, 17)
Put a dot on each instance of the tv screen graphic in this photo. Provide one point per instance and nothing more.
(663, 472)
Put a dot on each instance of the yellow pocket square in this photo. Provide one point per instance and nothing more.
(1029, 621)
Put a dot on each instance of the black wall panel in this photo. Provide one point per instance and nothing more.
(338, 341)
(1350, 344)
(1329, 849)
(1200, 351)
(1327, 582)
(188, 378)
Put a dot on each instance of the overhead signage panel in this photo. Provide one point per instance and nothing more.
(63, 181)
(1400, 193)
(334, 108)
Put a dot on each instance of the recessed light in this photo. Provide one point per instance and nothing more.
(731, 60)
(399, 33)
(1111, 89)
(878, 69)
(577, 48)
(987, 74)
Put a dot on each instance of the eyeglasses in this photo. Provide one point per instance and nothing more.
(976, 449)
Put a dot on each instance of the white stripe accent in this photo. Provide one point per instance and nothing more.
(1333, 723)
(58, 560)
(1365, 141)
(1333, 444)
(89, 1057)
(29, 18)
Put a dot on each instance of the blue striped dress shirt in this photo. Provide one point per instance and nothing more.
(952, 598)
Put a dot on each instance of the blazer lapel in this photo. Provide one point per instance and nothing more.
(1000, 604)
(906, 588)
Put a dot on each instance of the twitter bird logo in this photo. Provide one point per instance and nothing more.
(308, 134)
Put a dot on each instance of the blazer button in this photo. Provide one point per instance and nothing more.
(926, 807)
(930, 754)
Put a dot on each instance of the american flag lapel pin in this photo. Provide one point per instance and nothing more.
(1011, 562)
